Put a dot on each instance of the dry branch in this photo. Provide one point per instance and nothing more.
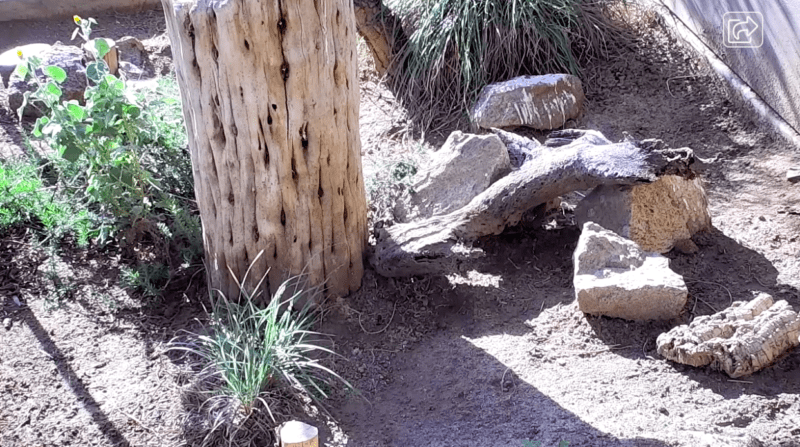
(585, 159)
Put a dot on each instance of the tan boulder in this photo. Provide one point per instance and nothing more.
(655, 215)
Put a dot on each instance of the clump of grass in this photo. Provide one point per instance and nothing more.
(24, 199)
(251, 354)
(455, 47)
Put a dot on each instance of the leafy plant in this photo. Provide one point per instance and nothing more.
(253, 350)
(122, 155)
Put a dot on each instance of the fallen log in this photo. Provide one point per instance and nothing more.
(581, 160)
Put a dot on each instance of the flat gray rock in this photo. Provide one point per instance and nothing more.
(616, 278)
(540, 102)
(463, 168)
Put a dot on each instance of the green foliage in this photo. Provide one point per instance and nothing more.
(120, 157)
(24, 199)
(253, 350)
(458, 46)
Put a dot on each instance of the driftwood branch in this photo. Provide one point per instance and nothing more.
(581, 160)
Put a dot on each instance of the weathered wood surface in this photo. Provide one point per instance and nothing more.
(582, 160)
(740, 340)
(379, 27)
(271, 102)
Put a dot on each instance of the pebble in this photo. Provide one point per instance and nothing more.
(793, 175)
(7, 323)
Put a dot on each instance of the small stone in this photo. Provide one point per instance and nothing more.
(655, 215)
(793, 175)
(463, 168)
(7, 323)
(67, 57)
(562, 362)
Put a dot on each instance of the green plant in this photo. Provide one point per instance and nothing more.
(123, 156)
(458, 46)
(103, 133)
(255, 350)
(149, 279)
(24, 200)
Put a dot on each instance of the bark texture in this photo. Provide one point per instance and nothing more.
(582, 160)
(271, 102)
(740, 340)
(377, 25)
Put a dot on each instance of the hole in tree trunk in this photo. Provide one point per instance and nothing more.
(269, 119)
(285, 71)
(256, 234)
(247, 45)
(274, 107)
(304, 136)
(283, 217)
(294, 171)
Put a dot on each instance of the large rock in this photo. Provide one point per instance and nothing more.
(69, 58)
(540, 102)
(9, 60)
(463, 168)
(616, 278)
(134, 59)
(654, 215)
(739, 340)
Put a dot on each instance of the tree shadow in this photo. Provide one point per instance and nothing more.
(112, 435)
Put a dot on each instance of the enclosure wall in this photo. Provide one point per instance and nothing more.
(771, 70)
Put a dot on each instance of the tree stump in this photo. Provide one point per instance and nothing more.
(271, 102)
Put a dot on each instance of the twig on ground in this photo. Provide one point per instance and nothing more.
(730, 295)
(385, 327)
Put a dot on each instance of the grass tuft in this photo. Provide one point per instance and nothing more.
(252, 354)
(455, 47)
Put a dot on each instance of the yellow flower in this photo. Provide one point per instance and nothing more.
(76, 19)
(19, 54)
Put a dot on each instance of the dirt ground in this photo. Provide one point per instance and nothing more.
(494, 354)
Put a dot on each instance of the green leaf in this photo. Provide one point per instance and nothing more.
(101, 47)
(133, 111)
(56, 73)
(53, 89)
(71, 152)
(40, 123)
(96, 71)
(76, 111)
(22, 70)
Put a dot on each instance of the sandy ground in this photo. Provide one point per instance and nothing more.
(494, 354)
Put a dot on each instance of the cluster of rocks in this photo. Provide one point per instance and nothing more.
(619, 267)
(127, 58)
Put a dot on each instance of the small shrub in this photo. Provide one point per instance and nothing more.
(122, 156)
